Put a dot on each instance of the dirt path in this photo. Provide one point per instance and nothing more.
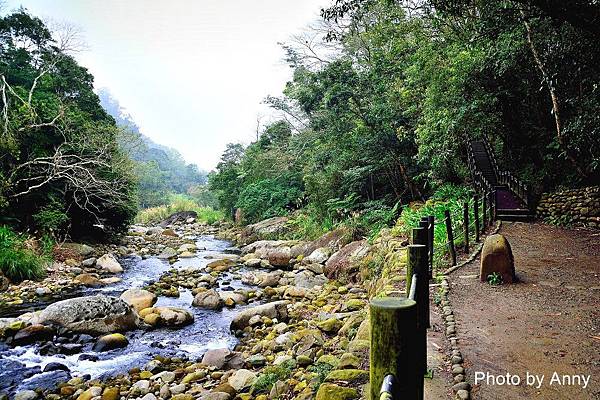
(548, 322)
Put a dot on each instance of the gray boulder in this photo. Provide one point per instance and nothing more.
(276, 309)
(93, 314)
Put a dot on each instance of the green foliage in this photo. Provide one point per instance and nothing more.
(494, 279)
(51, 218)
(272, 374)
(17, 262)
(447, 197)
(61, 166)
(266, 198)
(322, 369)
(178, 203)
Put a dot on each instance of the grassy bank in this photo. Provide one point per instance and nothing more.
(21, 257)
(178, 203)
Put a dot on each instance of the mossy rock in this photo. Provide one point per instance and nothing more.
(330, 391)
(364, 331)
(330, 325)
(348, 375)
(355, 304)
(358, 345)
(329, 359)
(349, 360)
(111, 393)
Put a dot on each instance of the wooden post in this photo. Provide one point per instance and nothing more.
(476, 215)
(450, 236)
(431, 238)
(484, 220)
(417, 259)
(419, 235)
(493, 206)
(394, 346)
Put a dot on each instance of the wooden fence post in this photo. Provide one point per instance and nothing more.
(419, 237)
(394, 346)
(417, 259)
(431, 219)
(466, 225)
(450, 236)
(476, 215)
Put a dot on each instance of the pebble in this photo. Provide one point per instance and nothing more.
(461, 386)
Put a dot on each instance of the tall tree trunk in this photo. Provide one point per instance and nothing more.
(554, 98)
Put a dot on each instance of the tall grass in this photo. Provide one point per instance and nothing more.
(178, 203)
(18, 261)
(448, 197)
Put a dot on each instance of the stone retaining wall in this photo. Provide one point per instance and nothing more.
(576, 207)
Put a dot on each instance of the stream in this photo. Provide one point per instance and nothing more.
(21, 367)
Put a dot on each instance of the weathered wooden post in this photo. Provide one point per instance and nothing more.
(417, 258)
(466, 225)
(431, 239)
(476, 215)
(419, 237)
(450, 236)
(394, 346)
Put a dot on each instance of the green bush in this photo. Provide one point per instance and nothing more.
(18, 262)
(51, 219)
(267, 198)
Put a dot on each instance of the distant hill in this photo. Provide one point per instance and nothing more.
(161, 169)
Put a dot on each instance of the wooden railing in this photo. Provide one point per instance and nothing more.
(504, 177)
(519, 188)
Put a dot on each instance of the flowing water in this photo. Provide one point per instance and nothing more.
(20, 367)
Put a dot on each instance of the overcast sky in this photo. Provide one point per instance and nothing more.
(192, 73)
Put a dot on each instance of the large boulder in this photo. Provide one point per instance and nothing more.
(109, 263)
(343, 262)
(209, 299)
(223, 359)
(265, 229)
(180, 216)
(497, 257)
(93, 314)
(138, 298)
(319, 256)
(333, 240)
(276, 309)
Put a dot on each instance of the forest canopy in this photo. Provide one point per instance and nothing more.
(386, 96)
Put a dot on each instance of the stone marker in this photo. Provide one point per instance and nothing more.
(497, 256)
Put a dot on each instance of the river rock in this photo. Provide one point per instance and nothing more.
(216, 357)
(82, 250)
(307, 279)
(276, 309)
(168, 252)
(33, 333)
(319, 256)
(209, 299)
(109, 263)
(496, 256)
(139, 298)
(26, 395)
(89, 280)
(110, 342)
(343, 261)
(241, 379)
(92, 314)
(89, 262)
(166, 316)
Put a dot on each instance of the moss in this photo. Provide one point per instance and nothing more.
(329, 391)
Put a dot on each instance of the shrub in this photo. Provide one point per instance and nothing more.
(267, 198)
(17, 261)
(272, 374)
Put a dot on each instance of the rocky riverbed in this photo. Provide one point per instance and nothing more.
(174, 313)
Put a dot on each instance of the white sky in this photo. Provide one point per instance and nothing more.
(192, 73)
